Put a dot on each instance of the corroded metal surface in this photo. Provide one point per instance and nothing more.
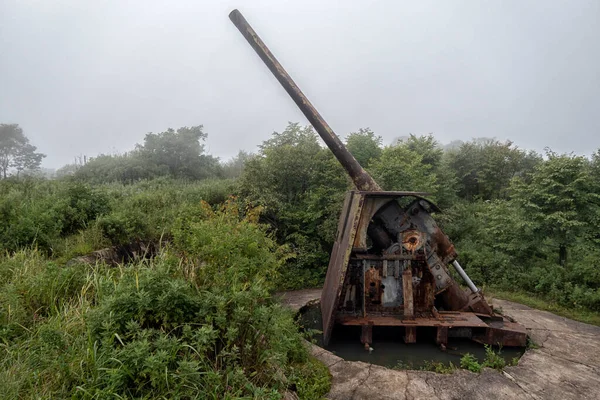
(338, 262)
(448, 319)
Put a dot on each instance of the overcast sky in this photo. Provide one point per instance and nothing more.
(90, 77)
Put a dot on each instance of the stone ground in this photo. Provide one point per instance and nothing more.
(565, 366)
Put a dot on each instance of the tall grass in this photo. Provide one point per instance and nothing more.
(196, 321)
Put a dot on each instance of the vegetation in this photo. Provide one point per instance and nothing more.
(177, 154)
(16, 153)
(198, 320)
(493, 359)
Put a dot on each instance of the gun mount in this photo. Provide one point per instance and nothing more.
(389, 263)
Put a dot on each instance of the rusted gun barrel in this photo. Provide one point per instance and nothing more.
(362, 180)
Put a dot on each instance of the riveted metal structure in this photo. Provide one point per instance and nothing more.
(389, 263)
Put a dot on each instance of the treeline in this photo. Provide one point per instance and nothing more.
(178, 154)
(520, 220)
(195, 320)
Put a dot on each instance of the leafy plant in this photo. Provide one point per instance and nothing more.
(493, 359)
(470, 362)
(439, 367)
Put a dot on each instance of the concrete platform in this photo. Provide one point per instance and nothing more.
(566, 366)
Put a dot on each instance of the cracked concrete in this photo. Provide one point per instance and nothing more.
(566, 366)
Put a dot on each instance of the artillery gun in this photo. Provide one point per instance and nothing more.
(389, 263)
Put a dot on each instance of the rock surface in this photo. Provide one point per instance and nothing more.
(565, 366)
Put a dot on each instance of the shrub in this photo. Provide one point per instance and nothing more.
(197, 321)
(470, 362)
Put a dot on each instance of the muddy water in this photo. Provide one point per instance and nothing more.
(389, 350)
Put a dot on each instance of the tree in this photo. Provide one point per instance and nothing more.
(300, 186)
(399, 168)
(364, 146)
(126, 168)
(561, 199)
(181, 152)
(429, 148)
(434, 165)
(234, 167)
(16, 151)
(485, 167)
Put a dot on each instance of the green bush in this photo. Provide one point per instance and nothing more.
(197, 321)
(470, 362)
(493, 359)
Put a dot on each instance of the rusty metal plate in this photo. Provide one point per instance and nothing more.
(504, 333)
(338, 263)
(451, 320)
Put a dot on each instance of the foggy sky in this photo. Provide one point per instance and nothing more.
(89, 77)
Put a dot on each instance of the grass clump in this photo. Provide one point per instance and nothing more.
(492, 360)
(197, 321)
(470, 362)
(439, 367)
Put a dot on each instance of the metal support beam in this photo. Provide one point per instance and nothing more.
(410, 334)
(366, 336)
(465, 277)
(407, 290)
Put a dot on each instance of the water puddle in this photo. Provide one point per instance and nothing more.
(389, 350)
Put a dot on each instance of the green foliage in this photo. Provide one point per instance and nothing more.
(177, 154)
(364, 146)
(430, 150)
(235, 167)
(439, 367)
(197, 321)
(180, 152)
(493, 359)
(470, 362)
(400, 168)
(485, 167)
(312, 379)
(560, 199)
(81, 205)
(518, 222)
(125, 168)
(416, 164)
(56, 215)
(300, 187)
(541, 240)
(544, 302)
(531, 344)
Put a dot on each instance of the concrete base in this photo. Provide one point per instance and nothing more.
(566, 366)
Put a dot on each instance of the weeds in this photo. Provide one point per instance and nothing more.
(439, 367)
(197, 321)
(492, 360)
(468, 361)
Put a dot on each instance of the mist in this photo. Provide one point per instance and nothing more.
(85, 78)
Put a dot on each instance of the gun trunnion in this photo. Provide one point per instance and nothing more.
(389, 262)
